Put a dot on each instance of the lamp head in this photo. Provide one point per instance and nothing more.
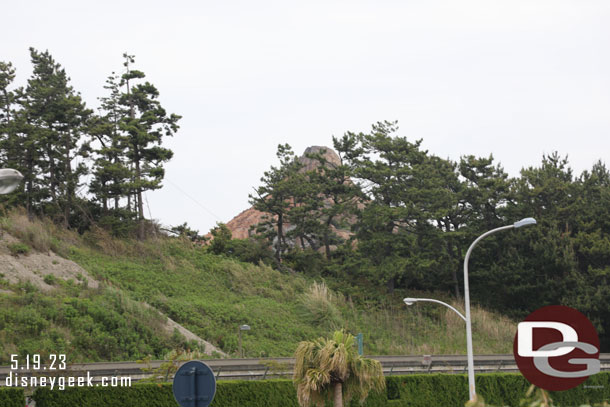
(410, 301)
(9, 180)
(244, 327)
(524, 222)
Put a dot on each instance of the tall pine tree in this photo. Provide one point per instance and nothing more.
(145, 125)
(57, 119)
(110, 170)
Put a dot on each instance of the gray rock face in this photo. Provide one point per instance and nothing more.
(328, 153)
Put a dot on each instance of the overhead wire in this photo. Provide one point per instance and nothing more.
(193, 199)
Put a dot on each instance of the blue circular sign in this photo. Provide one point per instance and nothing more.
(194, 385)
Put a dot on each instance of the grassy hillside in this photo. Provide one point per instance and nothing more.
(210, 295)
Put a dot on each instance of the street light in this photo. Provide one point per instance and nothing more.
(242, 328)
(471, 384)
(9, 180)
(411, 301)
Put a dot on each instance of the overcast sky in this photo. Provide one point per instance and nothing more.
(515, 79)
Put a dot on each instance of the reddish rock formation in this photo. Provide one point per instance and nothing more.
(241, 225)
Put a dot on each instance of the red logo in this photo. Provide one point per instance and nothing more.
(556, 348)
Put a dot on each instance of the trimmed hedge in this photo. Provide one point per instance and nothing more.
(153, 395)
(417, 390)
(504, 389)
(229, 393)
(254, 393)
(12, 397)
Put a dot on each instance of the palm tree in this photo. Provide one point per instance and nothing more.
(333, 366)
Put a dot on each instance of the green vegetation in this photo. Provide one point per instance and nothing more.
(498, 389)
(46, 128)
(413, 391)
(387, 218)
(85, 324)
(50, 279)
(412, 216)
(11, 397)
(211, 295)
(328, 369)
(18, 248)
(406, 219)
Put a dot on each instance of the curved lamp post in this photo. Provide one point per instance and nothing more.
(9, 180)
(410, 301)
(522, 222)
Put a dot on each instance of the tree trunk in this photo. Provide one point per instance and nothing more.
(327, 237)
(30, 185)
(459, 263)
(456, 284)
(338, 395)
(105, 197)
(327, 245)
(139, 202)
(7, 107)
(390, 285)
(139, 192)
(69, 183)
(52, 175)
(280, 232)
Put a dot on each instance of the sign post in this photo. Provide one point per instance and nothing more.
(360, 344)
(194, 385)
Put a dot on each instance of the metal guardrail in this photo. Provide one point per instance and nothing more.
(265, 368)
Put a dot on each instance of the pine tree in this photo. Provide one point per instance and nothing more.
(8, 129)
(275, 197)
(334, 199)
(110, 169)
(7, 99)
(57, 119)
(392, 224)
(145, 126)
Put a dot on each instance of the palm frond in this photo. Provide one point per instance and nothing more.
(323, 362)
(304, 359)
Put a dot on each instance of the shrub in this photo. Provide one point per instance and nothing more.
(19, 248)
(503, 389)
(425, 390)
(50, 279)
(11, 397)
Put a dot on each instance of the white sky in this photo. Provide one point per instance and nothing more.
(514, 78)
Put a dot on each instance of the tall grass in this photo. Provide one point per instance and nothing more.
(429, 329)
(40, 234)
(213, 295)
(319, 306)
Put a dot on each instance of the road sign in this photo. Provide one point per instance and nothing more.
(194, 385)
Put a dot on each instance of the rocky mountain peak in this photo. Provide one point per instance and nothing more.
(240, 224)
(328, 153)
